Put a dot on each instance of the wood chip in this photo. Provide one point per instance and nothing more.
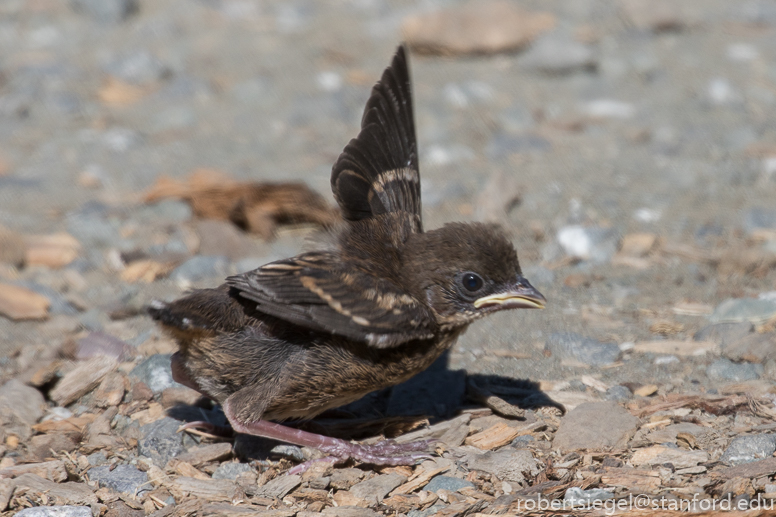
(485, 396)
(455, 436)
(152, 413)
(692, 309)
(116, 92)
(206, 453)
(596, 384)
(646, 391)
(146, 270)
(683, 348)
(210, 489)
(280, 486)
(111, 390)
(493, 437)
(637, 244)
(751, 470)
(666, 327)
(72, 425)
(51, 470)
(435, 430)
(187, 469)
(658, 454)
(59, 493)
(689, 252)
(54, 251)
(347, 498)
(258, 207)
(640, 481)
(82, 379)
(420, 481)
(475, 27)
(19, 303)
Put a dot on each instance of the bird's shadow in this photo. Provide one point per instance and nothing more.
(435, 394)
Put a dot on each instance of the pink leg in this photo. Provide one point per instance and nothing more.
(386, 452)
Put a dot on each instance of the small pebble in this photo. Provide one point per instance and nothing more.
(749, 448)
(737, 372)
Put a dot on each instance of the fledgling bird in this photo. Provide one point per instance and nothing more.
(296, 337)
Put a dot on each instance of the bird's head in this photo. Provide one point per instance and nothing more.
(464, 271)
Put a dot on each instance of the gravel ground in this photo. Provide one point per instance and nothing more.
(630, 151)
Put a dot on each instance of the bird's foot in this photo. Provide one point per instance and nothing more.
(387, 452)
(223, 431)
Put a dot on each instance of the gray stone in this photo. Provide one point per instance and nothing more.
(577, 496)
(436, 391)
(724, 333)
(56, 511)
(570, 345)
(59, 305)
(21, 402)
(592, 243)
(595, 425)
(123, 478)
(200, 268)
(760, 219)
(752, 310)
(107, 11)
(516, 465)
(618, 393)
(231, 470)
(156, 373)
(376, 488)
(138, 67)
(728, 370)
(161, 441)
(94, 226)
(21, 406)
(447, 483)
(746, 449)
(754, 348)
(97, 458)
(292, 452)
(558, 54)
(522, 442)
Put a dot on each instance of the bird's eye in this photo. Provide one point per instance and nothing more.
(471, 282)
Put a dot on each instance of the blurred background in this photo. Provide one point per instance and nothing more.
(628, 146)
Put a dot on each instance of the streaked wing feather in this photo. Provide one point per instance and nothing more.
(377, 172)
(317, 293)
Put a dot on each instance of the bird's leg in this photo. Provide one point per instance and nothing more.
(387, 452)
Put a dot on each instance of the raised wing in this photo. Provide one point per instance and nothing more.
(377, 172)
(315, 291)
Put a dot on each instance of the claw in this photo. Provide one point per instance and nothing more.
(216, 430)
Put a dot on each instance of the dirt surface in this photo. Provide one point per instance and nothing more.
(629, 151)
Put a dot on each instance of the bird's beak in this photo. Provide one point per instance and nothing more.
(522, 296)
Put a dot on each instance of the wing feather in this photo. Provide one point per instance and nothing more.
(377, 172)
(318, 292)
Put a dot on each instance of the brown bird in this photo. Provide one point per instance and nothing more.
(296, 337)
